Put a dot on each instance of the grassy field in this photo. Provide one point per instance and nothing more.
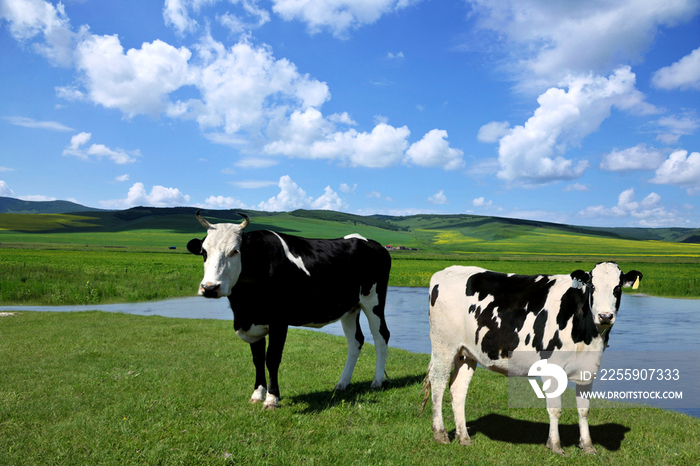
(99, 388)
(102, 257)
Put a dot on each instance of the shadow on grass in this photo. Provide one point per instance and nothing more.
(326, 399)
(517, 431)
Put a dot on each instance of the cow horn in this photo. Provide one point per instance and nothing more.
(245, 222)
(204, 222)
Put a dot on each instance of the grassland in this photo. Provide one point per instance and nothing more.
(99, 257)
(98, 388)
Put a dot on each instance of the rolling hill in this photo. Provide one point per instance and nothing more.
(67, 217)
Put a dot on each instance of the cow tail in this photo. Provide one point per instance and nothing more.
(426, 389)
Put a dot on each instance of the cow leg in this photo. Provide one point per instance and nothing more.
(373, 306)
(277, 335)
(353, 333)
(438, 375)
(459, 384)
(554, 410)
(260, 390)
(583, 405)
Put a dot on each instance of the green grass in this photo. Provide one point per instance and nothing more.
(99, 388)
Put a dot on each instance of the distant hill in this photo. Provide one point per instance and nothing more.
(10, 205)
(180, 219)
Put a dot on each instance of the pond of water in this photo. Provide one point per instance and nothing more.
(645, 324)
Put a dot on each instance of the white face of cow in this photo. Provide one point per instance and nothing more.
(604, 289)
(221, 250)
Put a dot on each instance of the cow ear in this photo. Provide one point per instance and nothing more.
(632, 278)
(579, 278)
(195, 246)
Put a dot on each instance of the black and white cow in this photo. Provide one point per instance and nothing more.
(508, 322)
(273, 280)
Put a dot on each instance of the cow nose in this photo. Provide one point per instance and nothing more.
(606, 318)
(211, 290)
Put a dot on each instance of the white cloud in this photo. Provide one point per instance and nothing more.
(531, 154)
(6, 169)
(438, 198)
(309, 135)
(237, 25)
(493, 131)
(176, 16)
(31, 123)
(395, 56)
(674, 127)
(159, 197)
(118, 156)
(481, 202)
(434, 151)
(290, 197)
(649, 212)
(346, 188)
(378, 195)
(639, 157)
(138, 81)
(221, 202)
(679, 169)
(337, 16)
(546, 41)
(30, 18)
(683, 74)
(577, 187)
(256, 162)
(5, 190)
(329, 201)
(253, 184)
(37, 198)
(122, 178)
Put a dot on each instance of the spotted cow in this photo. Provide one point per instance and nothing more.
(508, 322)
(273, 280)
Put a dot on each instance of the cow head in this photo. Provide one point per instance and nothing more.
(603, 289)
(221, 249)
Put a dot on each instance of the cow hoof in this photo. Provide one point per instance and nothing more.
(465, 441)
(555, 447)
(588, 448)
(441, 436)
(341, 387)
(271, 402)
(258, 395)
(377, 383)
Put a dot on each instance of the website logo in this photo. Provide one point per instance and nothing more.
(548, 372)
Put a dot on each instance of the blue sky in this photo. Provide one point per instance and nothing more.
(573, 112)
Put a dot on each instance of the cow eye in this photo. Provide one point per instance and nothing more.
(617, 291)
(234, 252)
(204, 254)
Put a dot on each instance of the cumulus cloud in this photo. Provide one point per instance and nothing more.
(336, 16)
(531, 154)
(5, 190)
(308, 134)
(434, 151)
(438, 198)
(492, 132)
(31, 123)
(292, 197)
(31, 18)
(346, 188)
(118, 156)
(683, 74)
(481, 202)
(680, 169)
(158, 197)
(639, 157)
(329, 201)
(221, 202)
(673, 127)
(547, 41)
(649, 212)
(122, 178)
